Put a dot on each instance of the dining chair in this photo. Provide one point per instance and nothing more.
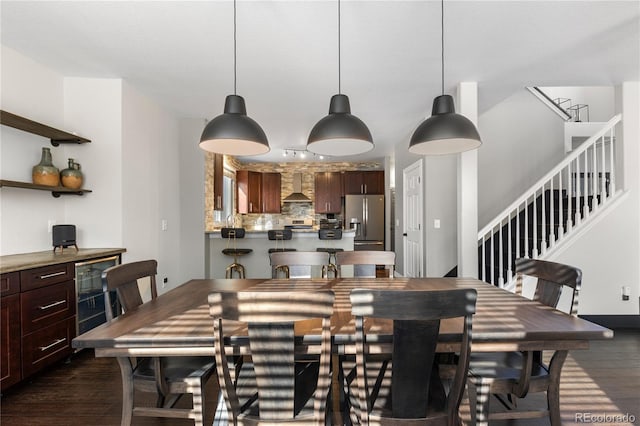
(366, 262)
(272, 385)
(512, 375)
(168, 377)
(300, 264)
(406, 387)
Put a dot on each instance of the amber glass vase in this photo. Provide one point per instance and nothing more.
(72, 177)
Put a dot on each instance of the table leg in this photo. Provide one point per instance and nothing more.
(553, 393)
(126, 371)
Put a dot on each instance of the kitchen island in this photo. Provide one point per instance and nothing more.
(257, 263)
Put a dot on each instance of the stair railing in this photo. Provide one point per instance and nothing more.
(558, 203)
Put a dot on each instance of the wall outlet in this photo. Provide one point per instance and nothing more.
(626, 292)
(163, 224)
(165, 280)
(436, 223)
(50, 224)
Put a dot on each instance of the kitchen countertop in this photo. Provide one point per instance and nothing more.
(18, 262)
(262, 233)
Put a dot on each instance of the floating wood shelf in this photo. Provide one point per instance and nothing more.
(56, 136)
(56, 191)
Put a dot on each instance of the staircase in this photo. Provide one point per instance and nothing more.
(560, 205)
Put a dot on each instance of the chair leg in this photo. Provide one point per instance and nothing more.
(127, 390)
(553, 392)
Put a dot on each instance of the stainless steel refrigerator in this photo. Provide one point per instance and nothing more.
(365, 214)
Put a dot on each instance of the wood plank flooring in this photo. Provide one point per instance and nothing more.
(87, 391)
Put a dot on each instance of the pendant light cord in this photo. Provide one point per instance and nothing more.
(339, 53)
(442, 41)
(235, 66)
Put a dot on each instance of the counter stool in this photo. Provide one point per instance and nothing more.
(333, 235)
(280, 235)
(231, 234)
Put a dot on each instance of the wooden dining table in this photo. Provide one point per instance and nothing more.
(178, 322)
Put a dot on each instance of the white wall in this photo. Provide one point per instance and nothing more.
(34, 91)
(192, 175)
(522, 140)
(133, 166)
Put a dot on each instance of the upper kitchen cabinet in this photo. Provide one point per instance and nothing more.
(328, 192)
(363, 182)
(218, 179)
(271, 191)
(248, 191)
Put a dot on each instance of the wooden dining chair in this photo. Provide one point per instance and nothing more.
(272, 385)
(300, 264)
(406, 388)
(365, 262)
(168, 377)
(512, 375)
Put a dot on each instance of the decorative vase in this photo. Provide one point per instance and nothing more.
(72, 177)
(44, 173)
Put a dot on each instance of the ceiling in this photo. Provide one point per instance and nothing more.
(180, 53)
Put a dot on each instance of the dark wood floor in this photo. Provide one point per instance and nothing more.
(86, 391)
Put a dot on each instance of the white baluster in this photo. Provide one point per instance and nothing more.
(509, 251)
(612, 164)
(526, 228)
(552, 235)
(560, 208)
(500, 252)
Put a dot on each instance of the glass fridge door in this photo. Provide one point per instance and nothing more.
(89, 293)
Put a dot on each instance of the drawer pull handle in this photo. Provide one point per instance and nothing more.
(55, 274)
(51, 305)
(44, 348)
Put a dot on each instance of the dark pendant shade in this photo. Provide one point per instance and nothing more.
(340, 133)
(445, 132)
(234, 133)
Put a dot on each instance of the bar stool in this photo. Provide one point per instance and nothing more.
(231, 234)
(333, 235)
(280, 235)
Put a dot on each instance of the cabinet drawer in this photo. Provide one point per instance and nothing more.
(47, 345)
(9, 283)
(47, 305)
(47, 275)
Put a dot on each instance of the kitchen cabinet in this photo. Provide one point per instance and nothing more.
(248, 191)
(10, 368)
(39, 311)
(328, 192)
(55, 136)
(364, 182)
(271, 192)
(218, 178)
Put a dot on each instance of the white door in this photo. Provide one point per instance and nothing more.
(412, 207)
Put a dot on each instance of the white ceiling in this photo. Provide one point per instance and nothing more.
(181, 54)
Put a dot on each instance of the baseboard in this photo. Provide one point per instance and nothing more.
(614, 321)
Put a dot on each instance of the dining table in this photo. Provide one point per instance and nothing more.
(177, 323)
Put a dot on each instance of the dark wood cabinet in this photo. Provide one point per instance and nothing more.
(271, 191)
(218, 179)
(10, 349)
(328, 192)
(363, 182)
(248, 191)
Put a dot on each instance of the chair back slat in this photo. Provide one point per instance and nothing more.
(270, 318)
(415, 381)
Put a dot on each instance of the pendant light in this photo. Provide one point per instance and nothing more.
(445, 132)
(340, 133)
(234, 133)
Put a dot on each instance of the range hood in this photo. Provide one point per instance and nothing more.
(297, 196)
